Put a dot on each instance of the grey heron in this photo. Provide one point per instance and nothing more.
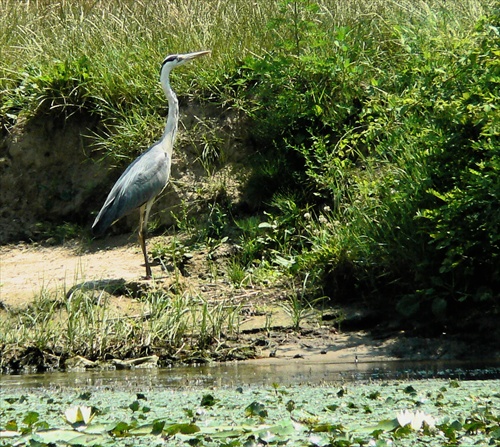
(148, 175)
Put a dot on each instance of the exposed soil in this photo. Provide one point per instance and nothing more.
(26, 270)
(52, 172)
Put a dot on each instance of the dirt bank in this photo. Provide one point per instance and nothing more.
(26, 270)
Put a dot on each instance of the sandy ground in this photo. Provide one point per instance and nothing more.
(26, 270)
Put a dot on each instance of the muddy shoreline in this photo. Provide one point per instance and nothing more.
(322, 337)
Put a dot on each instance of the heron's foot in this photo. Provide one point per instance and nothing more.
(149, 274)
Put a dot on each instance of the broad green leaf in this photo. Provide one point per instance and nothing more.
(256, 409)
(410, 390)
(71, 437)
(30, 418)
(121, 429)
(134, 406)
(385, 425)
(208, 400)
(185, 429)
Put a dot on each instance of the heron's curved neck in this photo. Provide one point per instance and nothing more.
(170, 132)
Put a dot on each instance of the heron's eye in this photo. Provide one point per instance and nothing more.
(171, 58)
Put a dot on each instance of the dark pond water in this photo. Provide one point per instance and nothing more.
(257, 373)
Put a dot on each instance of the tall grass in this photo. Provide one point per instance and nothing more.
(116, 47)
(86, 324)
(108, 53)
(104, 56)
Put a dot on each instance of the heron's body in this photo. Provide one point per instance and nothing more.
(148, 175)
(141, 182)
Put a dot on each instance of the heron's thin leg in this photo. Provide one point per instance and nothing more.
(143, 229)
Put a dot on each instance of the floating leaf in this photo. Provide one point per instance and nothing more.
(157, 427)
(134, 406)
(495, 434)
(96, 429)
(326, 428)
(121, 429)
(410, 390)
(88, 440)
(145, 430)
(62, 436)
(282, 429)
(267, 437)
(332, 407)
(185, 429)
(223, 432)
(11, 425)
(385, 425)
(208, 400)
(256, 409)
(30, 418)
(85, 396)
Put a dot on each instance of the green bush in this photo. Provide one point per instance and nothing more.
(400, 147)
(462, 222)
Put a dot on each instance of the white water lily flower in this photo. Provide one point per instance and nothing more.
(374, 443)
(415, 420)
(430, 421)
(405, 418)
(79, 414)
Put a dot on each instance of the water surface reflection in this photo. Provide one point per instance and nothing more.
(260, 372)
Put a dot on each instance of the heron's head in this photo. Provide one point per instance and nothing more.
(176, 60)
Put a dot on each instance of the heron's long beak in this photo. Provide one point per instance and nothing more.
(189, 56)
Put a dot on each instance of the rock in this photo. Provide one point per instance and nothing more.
(142, 362)
(79, 363)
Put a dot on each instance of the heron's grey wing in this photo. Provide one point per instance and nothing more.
(141, 182)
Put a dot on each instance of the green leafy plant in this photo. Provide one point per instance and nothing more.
(297, 306)
(403, 155)
(173, 255)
